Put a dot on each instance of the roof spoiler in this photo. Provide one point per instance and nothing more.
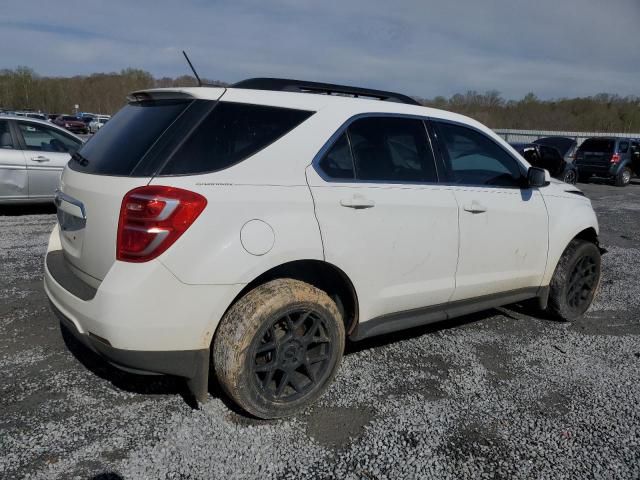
(169, 94)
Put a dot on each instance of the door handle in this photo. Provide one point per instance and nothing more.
(357, 202)
(40, 159)
(475, 207)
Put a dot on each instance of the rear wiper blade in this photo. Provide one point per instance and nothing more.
(79, 159)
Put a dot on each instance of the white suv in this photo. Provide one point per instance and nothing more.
(254, 228)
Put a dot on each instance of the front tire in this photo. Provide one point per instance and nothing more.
(278, 348)
(575, 281)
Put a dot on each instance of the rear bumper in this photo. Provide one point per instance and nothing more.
(140, 316)
(599, 170)
(184, 363)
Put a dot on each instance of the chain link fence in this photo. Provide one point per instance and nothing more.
(528, 136)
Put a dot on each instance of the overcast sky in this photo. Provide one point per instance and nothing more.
(554, 48)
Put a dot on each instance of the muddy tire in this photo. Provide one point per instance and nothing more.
(575, 281)
(278, 348)
(623, 178)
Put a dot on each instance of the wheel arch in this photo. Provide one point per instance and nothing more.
(587, 233)
(320, 274)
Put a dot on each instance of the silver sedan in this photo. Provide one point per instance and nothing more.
(32, 156)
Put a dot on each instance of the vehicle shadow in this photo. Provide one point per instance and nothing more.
(393, 337)
(107, 476)
(171, 385)
(130, 382)
(142, 384)
(35, 209)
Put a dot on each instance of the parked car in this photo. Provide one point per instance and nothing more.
(254, 228)
(52, 116)
(615, 158)
(549, 158)
(97, 123)
(71, 123)
(32, 155)
(566, 146)
(38, 116)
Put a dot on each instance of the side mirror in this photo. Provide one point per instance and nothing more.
(537, 177)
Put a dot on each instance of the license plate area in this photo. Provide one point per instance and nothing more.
(72, 220)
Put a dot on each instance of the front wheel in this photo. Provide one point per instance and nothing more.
(575, 281)
(278, 348)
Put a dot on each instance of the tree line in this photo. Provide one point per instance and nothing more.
(599, 113)
(24, 89)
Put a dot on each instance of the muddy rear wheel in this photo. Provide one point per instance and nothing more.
(278, 348)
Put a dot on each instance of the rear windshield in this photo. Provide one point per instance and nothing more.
(159, 138)
(122, 142)
(598, 145)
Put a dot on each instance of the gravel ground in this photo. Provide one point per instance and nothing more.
(492, 395)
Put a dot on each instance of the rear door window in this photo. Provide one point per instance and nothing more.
(231, 133)
(623, 147)
(392, 149)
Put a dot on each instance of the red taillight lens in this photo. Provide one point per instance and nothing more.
(615, 158)
(152, 218)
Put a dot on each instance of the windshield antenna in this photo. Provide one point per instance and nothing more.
(192, 69)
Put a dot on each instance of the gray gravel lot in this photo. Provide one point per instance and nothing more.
(492, 395)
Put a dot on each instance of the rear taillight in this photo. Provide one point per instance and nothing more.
(615, 158)
(152, 218)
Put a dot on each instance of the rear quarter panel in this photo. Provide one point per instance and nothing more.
(212, 251)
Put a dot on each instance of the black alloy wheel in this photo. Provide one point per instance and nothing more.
(292, 355)
(582, 282)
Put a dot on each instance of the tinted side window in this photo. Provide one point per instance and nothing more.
(231, 133)
(475, 159)
(5, 135)
(623, 147)
(338, 163)
(391, 149)
(44, 139)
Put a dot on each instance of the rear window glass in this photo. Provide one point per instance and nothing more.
(122, 142)
(231, 133)
(623, 147)
(599, 145)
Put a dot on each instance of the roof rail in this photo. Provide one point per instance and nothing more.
(287, 85)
